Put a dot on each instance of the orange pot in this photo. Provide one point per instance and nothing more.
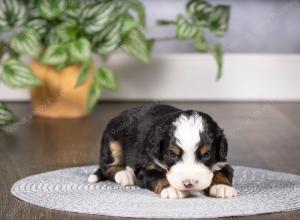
(58, 97)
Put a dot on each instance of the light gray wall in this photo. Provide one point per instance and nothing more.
(256, 26)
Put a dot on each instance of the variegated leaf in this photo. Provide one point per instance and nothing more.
(80, 50)
(39, 25)
(129, 23)
(185, 29)
(200, 43)
(6, 116)
(51, 9)
(66, 31)
(199, 10)
(27, 43)
(74, 8)
(12, 13)
(94, 95)
(17, 75)
(55, 54)
(63, 33)
(218, 20)
(52, 37)
(109, 39)
(138, 8)
(95, 17)
(137, 45)
(84, 74)
(107, 78)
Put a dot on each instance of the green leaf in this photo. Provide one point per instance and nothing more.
(129, 23)
(34, 12)
(185, 29)
(95, 17)
(55, 54)
(12, 13)
(199, 10)
(200, 43)
(136, 45)
(62, 33)
(52, 38)
(218, 20)
(94, 95)
(6, 116)
(84, 74)
(27, 43)
(39, 25)
(74, 8)
(138, 8)
(4, 22)
(66, 31)
(106, 47)
(80, 50)
(109, 38)
(107, 78)
(51, 9)
(218, 54)
(17, 75)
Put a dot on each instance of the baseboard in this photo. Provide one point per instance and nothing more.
(247, 77)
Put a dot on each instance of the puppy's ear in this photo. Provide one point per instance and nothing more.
(155, 142)
(222, 146)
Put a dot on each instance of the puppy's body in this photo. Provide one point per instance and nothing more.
(166, 150)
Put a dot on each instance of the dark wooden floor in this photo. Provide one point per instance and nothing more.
(264, 135)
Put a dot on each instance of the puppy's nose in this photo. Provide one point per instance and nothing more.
(187, 183)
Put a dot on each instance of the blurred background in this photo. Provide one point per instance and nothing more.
(261, 47)
(264, 27)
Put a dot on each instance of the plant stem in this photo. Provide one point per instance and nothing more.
(165, 22)
(170, 38)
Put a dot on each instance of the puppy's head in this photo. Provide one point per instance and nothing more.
(191, 147)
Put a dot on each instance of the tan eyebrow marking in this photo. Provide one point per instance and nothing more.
(204, 149)
(151, 167)
(175, 149)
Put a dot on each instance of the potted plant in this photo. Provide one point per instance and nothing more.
(60, 36)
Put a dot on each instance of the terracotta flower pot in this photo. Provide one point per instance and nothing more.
(58, 97)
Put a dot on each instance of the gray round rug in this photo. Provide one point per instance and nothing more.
(259, 191)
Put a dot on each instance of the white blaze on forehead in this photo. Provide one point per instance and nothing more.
(187, 134)
(187, 131)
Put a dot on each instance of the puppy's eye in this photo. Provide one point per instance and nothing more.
(205, 156)
(173, 155)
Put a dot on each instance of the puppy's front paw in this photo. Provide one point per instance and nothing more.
(124, 178)
(222, 191)
(172, 193)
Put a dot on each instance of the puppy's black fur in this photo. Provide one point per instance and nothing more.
(141, 136)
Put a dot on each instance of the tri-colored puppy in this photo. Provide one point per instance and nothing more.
(167, 150)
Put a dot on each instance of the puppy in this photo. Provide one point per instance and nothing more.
(167, 150)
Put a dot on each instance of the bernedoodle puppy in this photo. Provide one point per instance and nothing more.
(167, 150)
